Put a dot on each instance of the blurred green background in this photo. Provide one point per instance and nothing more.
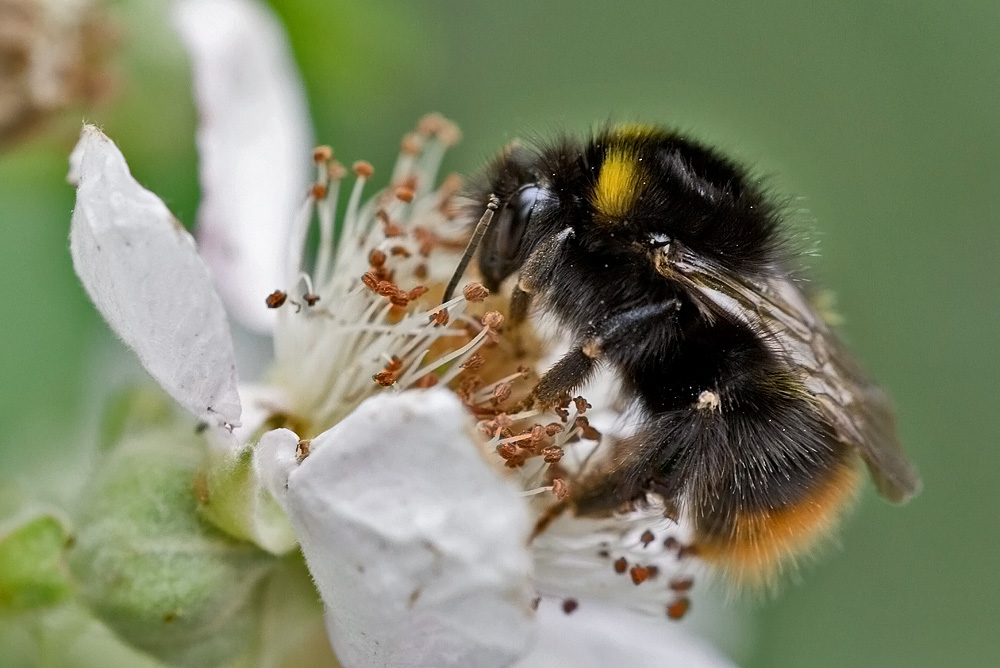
(885, 120)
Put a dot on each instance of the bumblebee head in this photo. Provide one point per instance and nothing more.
(507, 242)
(632, 194)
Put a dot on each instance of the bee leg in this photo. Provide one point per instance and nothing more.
(571, 371)
(520, 303)
(576, 366)
(539, 265)
(533, 274)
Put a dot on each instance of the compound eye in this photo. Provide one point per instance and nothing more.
(514, 220)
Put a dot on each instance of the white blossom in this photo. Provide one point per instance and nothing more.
(416, 531)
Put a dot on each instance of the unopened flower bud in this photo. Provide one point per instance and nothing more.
(150, 567)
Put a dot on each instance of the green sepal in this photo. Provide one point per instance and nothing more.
(33, 572)
(231, 497)
(150, 567)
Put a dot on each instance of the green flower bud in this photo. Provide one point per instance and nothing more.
(32, 545)
(150, 567)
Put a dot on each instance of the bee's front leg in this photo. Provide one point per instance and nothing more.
(575, 367)
(534, 273)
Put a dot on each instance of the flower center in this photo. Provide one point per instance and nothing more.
(357, 315)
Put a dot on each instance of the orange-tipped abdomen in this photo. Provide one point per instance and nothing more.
(761, 543)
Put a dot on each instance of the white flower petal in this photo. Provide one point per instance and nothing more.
(254, 143)
(416, 544)
(599, 636)
(142, 271)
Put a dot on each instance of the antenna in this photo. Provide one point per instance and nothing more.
(477, 235)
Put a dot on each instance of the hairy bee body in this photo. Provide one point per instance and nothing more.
(665, 261)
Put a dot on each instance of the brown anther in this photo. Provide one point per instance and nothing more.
(560, 489)
(384, 378)
(488, 428)
(537, 434)
(430, 123)
(552, 454)
(302, 449)
(678, 608)
(501, 392)
(394, 364)
(448, 133)
(503, 419)
(318, 191)
(621, 565)
(417, 292)
(400, 251)
(468, 386)
(310, 298)
(404, 194)
(392, 230)
(586, 430)
(411, 144)
(653, 571)
(276, 299)
(322, 153)
(475, 292)
(336, 171)
(671, 543)
(553, 428)
(421, 271)
(646, 538)
(508, 451)
(581, 405)
(387, 289)
(399, 299)
(426, 239)
(474, 362)
(424, 382)
(639, 574)
(681, 584)
(440, 317)
(493, 320)
(371, 280)
(569, 605)
(562, 412)
(363, 169)
(376, 258)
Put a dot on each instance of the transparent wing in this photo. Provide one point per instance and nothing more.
(860, 412)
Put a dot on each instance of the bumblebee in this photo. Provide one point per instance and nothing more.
(669, 263)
